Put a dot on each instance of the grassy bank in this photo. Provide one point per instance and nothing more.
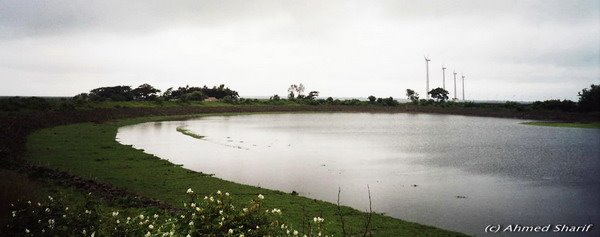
(566, 125)
(89, 150)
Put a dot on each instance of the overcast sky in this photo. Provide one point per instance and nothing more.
(508, 50)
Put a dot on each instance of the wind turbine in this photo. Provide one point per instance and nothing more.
(454, 72)
(463, 86)
(427, 76)
(443, 76)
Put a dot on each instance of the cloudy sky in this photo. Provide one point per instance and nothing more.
(508, 50)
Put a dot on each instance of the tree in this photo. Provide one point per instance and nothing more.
(167, 93)
(312, 95)
(589, 100)
(275, 98)
(114, 93)
(412, 95)
(145, 92)
(372, 99)
(439, 94)
(297, 90)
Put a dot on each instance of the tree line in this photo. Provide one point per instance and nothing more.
(146, 92)
(589, 101)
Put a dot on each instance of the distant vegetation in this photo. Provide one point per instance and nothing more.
(147, 96)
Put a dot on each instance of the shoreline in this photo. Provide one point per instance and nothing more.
(138, 174)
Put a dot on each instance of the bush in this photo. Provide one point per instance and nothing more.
(564, 105)
(195, 96)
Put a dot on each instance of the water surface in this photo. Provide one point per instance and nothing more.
(454, 172)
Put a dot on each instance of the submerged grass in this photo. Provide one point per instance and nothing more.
(568, 125)
(188, 133)
(91, 151)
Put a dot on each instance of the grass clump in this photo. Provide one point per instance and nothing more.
(189, 133)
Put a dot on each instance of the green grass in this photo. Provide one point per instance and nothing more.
(90, 150)
(188, 133)
(567, 125)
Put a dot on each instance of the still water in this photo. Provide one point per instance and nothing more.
(454, 172)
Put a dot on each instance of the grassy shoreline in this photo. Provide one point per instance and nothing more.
(592, 125)
(90, 151)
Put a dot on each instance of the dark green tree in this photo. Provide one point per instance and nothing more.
(312, 95)
(114, 93)
(412, 95)
(589, 100)
(439, 94)
(145, 92)
(372, 99)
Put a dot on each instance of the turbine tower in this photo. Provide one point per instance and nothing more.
(454, 72)
(463, 86)
(427, 76)
(443, 76)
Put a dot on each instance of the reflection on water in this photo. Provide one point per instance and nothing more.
(454, 172)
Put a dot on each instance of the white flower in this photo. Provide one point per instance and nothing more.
(128, 218)
(241, 235)
(230, 231)
(51, 199)
(66, 208)
(47, 209)
(226, 194)
(27, 231)
(147, 234)
(198, 209)
(14, 213)
(191, 223)
(276, 211)
(220, 212)
(182, 216)
(155, 216)
(295, 232)
(261, 197)
(115, 213)
(245, 209)
(188, 235)
(193, 205)
(29, 202)
(150, 227)
(118, 221)
(142, 217)
(64, 216)
(205, 197)
(219, 192)
(189, 191)
(212, 199)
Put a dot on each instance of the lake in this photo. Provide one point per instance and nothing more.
(454, 172)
